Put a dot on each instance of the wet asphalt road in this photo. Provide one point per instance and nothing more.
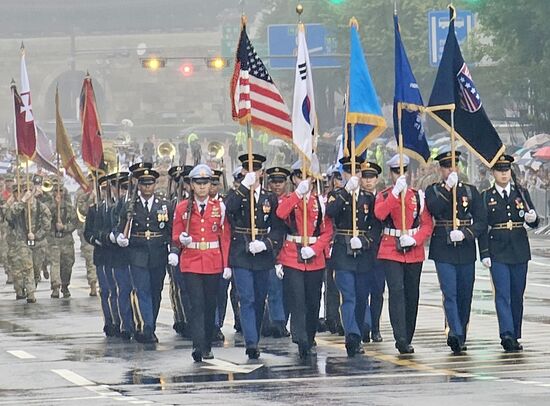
(54, 352)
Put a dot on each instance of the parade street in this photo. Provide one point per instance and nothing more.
(53, 352)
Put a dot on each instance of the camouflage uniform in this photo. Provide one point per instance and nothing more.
(4, 242)
(83, 202)
(19, 253)
(62, 245)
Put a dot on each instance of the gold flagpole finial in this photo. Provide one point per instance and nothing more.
(353, 22)
(453, 11)
(395, 7)
(12, 84)
(299, 9)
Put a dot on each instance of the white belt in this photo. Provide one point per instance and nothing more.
(204, 245)
(298, 239)
(397, 233)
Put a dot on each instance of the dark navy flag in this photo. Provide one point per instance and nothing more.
(407, 94)
(455, 89)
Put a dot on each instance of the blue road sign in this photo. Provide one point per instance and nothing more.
(282, 47)
(438, 27)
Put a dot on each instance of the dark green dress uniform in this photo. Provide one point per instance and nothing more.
(507, 245)
(455, 262)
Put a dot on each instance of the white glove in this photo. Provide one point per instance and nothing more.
(112, 237)
(307, 252)
(303, 188)
(456, 236)
(356, 243)
(352, 184)
(249, 179)
(279, 271)
(407, 241)
(227, 273)
(400, 185)
(255, 247)
(122, 241)
(96, 242)
(185, 239)
(452, 180)
(530, 216)
(486, 262)
(173, 259)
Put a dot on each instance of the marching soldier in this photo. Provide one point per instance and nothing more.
(376, 280)
(453, 246)
(350, 252)
(23, 238)
(333, 319)
(96, 231)
(145, 228)
(119, 276)
(83, 201)
(276, 314)
(201, 231)
(252, 259)
(178, 297)
(64, 222)
(402, 253)
(505, 248)
(302, 258)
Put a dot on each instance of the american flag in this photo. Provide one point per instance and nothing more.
(254, 96)
(469, 97)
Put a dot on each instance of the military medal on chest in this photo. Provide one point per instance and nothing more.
(520, 207)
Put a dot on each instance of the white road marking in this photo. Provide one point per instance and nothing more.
(221, 365)
(21, 354)
(73, 377)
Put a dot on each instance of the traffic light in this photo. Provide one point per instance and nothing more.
(186, 69)
(217, 63)
(153, 63)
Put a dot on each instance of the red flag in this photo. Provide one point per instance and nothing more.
(92, 146)
(254, 96)
(25, 132)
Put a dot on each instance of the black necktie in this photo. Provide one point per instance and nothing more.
(146, 205)
(203, 205)
(505, 194)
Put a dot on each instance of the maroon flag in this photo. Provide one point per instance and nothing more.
(254, 96)
(25, 132)
(92, 146)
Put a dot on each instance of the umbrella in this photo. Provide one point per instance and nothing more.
(524, 159)
(543, 153)
(536, 140)
(277, 142)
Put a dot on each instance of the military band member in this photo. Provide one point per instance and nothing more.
(202, 234)
(376, 280)
(505, 248)
(350, 252)
(402, 253)
(145, 228)
(96, 231)
(64, 222)
(277, 311)
(453, 247)
(252, 259)
(23, 237)
(302, 257)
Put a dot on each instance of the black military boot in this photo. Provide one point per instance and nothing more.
(65, 291)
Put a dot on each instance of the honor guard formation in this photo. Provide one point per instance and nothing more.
(279, 240)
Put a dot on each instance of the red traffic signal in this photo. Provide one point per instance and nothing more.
(186, 69)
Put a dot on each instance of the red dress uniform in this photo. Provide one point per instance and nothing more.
(292, 204)
(387, 205)
(212, 228)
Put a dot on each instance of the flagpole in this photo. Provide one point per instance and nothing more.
(401, 167)
(58, 189)
(29, 217)
(353, 202)
(250, 170)
(453, 164)
(305, 239)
